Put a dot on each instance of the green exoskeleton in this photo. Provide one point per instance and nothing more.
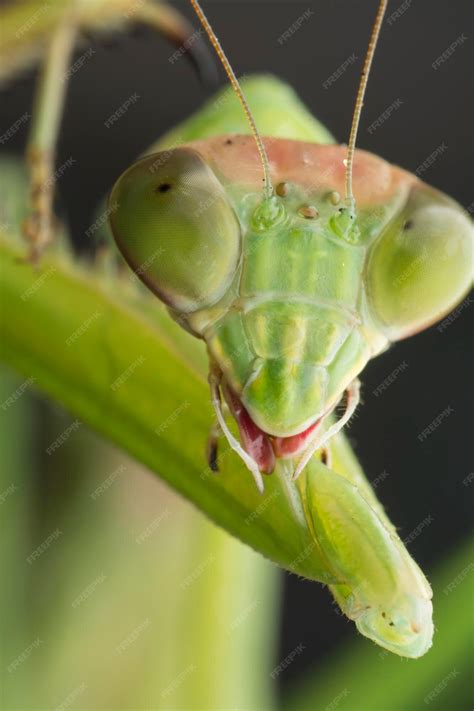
(296, 261)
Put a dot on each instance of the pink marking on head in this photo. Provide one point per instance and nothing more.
(310, 165)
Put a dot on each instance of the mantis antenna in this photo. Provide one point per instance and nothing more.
(360, 99)
(267, 183)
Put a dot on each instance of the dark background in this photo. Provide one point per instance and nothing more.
(424, 479)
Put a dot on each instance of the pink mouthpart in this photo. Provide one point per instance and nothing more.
(262, 447)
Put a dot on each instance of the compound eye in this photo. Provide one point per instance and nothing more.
(421, 265)
(173, 224)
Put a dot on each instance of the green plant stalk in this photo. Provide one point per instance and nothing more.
(228, 622)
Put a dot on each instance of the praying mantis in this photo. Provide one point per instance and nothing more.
(296, 262)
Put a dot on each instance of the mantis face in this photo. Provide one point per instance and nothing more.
(291, 299)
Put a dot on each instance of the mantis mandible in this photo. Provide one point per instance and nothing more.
(296, 262)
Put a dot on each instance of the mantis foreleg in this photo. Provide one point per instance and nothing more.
(41, 149)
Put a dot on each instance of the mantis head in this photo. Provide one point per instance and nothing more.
(291, 308)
